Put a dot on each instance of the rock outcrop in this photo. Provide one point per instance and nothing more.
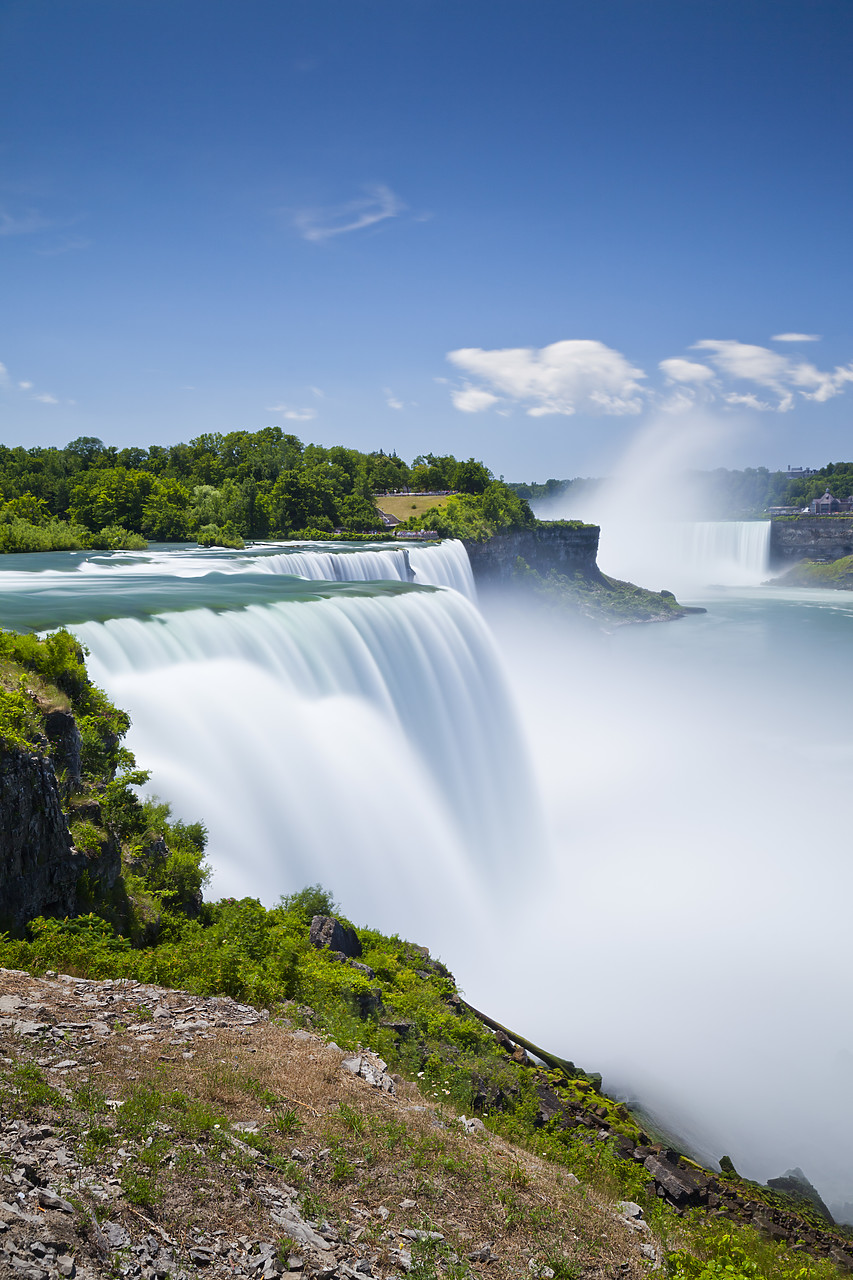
(810, 537)
(39, 866)
(558, 546)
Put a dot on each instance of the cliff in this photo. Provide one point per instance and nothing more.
(563, 546)
(810, 538)
(39, 866)
(73, 833)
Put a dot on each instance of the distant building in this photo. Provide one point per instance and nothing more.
(799, 473)
(830, 506)
(825, 506)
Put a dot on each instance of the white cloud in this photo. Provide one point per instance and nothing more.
(749, 400)
(295, 415)
(45, 398)
(678, 370)
(795, 337)
(391, 400)
(563, 378)
(378, 203)
(4, 375)
(778, 373)
(473, 399)
(824, 385)
(315, 391)
(742, 360)
(25, 386)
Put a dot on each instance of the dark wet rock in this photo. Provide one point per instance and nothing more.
(65, 742)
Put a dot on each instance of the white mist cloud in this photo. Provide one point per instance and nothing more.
(45, 398)
(796, 337)
(576, 375)
(4, 376)
(25, 386)
(391, 400)
(378, 203)
(295, 415)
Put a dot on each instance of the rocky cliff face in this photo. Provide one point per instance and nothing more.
(544, 548)
(40, 869)
(810, 537)
(39, 866)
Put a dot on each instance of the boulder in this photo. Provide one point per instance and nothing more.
(326, 931)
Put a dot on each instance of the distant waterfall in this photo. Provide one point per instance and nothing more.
(336, 739)
(733, 552)
(686, 556)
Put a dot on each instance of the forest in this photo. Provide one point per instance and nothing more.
(221, 489)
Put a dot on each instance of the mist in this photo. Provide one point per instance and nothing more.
(689, 932)
(689, 936)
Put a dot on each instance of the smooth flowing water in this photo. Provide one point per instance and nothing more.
(667, 900)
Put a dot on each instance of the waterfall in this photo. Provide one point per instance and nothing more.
(686, 556)
(342, 738)
(444, 564)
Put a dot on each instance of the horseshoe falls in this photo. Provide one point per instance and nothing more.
(335, 714)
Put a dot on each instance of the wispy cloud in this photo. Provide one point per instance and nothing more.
(295, 415)
(45, 398)
(774, 372)
(22, 224)
(577, 375)
(4, 375)
(795, 337)
(25, 386)
(376, 205)
(315, 391)
(391, 400)
(70, 244)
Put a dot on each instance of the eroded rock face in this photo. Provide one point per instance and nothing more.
(326, 931)
(542, 548)
(810, 537)
(65, 745)
(39, 867)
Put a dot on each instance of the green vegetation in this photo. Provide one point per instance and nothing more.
(221, 490)
(837, 574)
(475, 516)
(595, 599)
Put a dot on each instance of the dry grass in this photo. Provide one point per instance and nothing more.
(403, 505)
(354, 1151)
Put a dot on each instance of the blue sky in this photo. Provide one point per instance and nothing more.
(517, 229)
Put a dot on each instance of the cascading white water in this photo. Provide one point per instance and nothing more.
(444, 564)
(686, 556)
(313, 735)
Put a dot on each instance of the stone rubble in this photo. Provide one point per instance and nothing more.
(45, 1232)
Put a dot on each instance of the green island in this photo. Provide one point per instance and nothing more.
(561, 1167)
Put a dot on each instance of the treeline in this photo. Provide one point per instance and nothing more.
(725, 494)
(217, 489)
